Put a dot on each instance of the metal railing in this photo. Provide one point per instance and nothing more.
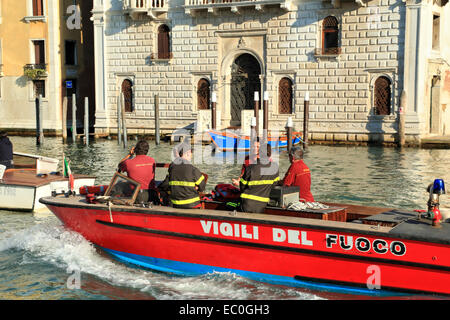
(34, 66)
(144, 4)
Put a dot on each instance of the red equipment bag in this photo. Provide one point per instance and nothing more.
(99, 190)
(226, 192)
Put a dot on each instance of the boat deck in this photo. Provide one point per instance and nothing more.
(395, 223)
(287, 220)
(28, 177)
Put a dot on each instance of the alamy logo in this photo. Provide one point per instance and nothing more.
(74, 280)
(74, 19)
(374, 280)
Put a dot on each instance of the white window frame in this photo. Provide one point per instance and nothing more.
(291, 75)
(30, 16)
(31, 97)
(132, 78)
(32, 53)
(196, 77)
(373, 76)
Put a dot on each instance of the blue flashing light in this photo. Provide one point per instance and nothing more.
(438, 186)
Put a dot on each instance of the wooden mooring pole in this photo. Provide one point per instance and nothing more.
(64, 120)
(305, 120)
(253, 135)
(256, 112)
(289, 126)
(39, 128)
(213, 111)
(401, 120)
(157, 133)
(119, 120)
(266, 116)
(74, 117)
(124, 118)
(86, 120)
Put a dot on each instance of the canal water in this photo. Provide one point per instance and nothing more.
(40, 259)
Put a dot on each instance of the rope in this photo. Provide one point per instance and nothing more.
(299, 206)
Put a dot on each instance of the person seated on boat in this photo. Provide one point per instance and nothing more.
(6, 150)
(299, 175)
(249, 159)
(183, 181)
(257, 181)
(140, 168)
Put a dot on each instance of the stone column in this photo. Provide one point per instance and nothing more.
(101, 116)
(414, 64)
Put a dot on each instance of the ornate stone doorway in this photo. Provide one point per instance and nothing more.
(245, 80)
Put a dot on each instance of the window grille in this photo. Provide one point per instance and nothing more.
(203, 94)
(382, 94)
(285, 96)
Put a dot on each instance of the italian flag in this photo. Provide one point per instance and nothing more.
(68, 172)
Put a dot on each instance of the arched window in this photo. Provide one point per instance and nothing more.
(330, 36)
(382, 96)
(203, 90)
(163, 42)
(127, 90)
(285, 96)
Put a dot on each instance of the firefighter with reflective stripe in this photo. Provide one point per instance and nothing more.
(183, 181)
(249, 159)
(257, 181)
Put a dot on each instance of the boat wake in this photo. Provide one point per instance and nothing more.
(50, 243)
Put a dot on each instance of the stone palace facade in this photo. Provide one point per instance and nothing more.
(353, 58)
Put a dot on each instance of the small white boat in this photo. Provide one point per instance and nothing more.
(32, 178)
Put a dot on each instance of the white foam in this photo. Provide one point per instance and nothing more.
(50, 242)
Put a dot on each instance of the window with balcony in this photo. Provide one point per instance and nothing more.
(382, 96)
(39, 52)
(330, 36)
(285, 96)
(203, 94)
(164, 42)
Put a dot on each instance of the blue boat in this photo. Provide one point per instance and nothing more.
(227, 141)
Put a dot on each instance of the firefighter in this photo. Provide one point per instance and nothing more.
(183, 181)
(257, 181)
(141, 168)
(299, 175)
(249, 159)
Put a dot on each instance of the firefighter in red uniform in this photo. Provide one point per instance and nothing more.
(141, 168)
(299, 175)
